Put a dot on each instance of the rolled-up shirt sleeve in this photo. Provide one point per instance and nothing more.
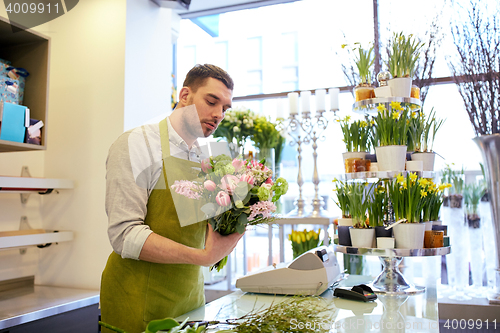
(127, 192)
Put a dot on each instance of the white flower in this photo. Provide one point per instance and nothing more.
(236, 129)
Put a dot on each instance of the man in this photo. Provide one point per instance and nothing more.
(154, 271)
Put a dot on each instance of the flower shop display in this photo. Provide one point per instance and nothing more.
(303, 241)
(364, 60)
(344, 222)
(235, 193)
(378, 209)
(403, 56)
(390, 130)
(236, 128)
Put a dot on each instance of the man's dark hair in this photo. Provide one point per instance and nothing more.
(197, 76)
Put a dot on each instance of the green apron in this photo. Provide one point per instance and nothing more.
(134, 292)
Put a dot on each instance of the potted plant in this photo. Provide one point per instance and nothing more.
(345, 222)
(361, 233)
(403, 56)
(236, 128)
(356, 137)
(406, 195)
(391, 130)
(433, 200)
(424, 142)
(378, 210)
(456, 192)
(364, 60)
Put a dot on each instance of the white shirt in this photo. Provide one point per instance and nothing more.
(133, 167)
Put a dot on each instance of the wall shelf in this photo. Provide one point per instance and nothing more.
(30, 184)
(20, 241)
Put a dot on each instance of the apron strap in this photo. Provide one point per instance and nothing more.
(165, 140)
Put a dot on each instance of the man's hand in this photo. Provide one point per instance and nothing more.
(165, 251)
(218, 246)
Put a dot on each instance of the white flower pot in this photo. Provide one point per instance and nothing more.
(353, 154)
(409, 235)
(427, 159)
(385, 242)
(345, 222)
(391, 158)
(400, 86)
(362, 237)
(428, 225)
(414, 166)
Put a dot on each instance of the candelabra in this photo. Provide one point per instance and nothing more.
(312, 128)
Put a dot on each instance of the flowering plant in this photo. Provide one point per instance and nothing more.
(391, 126)
(342, 198)
(356, 134)
(236, 193)
(422, 131)
(267, 135)
(364, 60)
(237, 124)
(406, 195)
(358, 203)
(433, 199)
(403, 55)
(303, 241)
(377, 205)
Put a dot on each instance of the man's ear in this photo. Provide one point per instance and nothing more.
(183, 95)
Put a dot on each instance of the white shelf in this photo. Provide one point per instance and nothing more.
(383, 174)
(369, 106)
(10, 242)
(27, 184)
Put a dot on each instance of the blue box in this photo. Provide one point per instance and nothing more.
(11, 90)
(13, 122)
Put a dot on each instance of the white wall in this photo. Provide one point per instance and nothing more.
(148, 62)
(87, 99)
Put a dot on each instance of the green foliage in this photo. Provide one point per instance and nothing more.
(238, 124)
(472, 195)
(391, 125)
(377, 205)
(403, 55)
(356, 134)
(342, 198)
(359, 202)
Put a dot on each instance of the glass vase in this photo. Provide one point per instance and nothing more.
(458, 259)
(235, 149)
(476, 252)
(488, 244)
(268, 155)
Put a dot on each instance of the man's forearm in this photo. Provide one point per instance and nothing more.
(162, 250)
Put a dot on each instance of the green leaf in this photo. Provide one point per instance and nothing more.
(162, 324)
(242, 222)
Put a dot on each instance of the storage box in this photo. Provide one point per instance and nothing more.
(11, 90)
(34, 132)
(13, 122)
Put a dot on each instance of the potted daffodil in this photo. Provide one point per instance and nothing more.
(364, 59)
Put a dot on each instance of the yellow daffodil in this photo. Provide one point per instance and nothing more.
(413, 176)
(396, 106)
(414, 115)
(423, 182)
(381, 107)
(423, 193)
(343, 46)
(395, 115)
(363, 124)
(347, 118)
(400, 178)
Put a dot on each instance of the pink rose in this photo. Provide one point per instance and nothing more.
(228, 183)
(210, 185)
(248, 179)
(205, 165)
(238, 164)
(223, 199)
(269, 181)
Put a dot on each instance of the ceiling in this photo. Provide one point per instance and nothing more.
(211, 7)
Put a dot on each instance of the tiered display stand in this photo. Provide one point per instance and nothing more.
(390, 281)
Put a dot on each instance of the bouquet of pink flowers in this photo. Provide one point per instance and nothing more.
(237, 193)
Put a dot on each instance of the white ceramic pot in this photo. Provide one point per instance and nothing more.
(427, 159)
(391, 158)
(362, 237)
(428, 225)
(385, 242)
(414, 166)
(400, 86)
(409, 235)
(354, 154)
(345, 222)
